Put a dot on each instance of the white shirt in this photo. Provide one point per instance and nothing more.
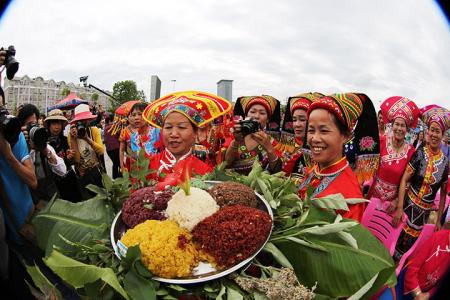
(59, 168)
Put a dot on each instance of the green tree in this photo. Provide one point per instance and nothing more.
(126, 90)
(94, 97)
(65, 92)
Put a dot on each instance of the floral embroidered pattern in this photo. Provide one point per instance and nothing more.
(367, 143)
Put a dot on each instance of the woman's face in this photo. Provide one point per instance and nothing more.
(434, 136)
(55, 128)
(258, 113)
(399, 129)
(299, 122)
(178, 134)
(324, 138)
(136, 119)
(421, 136)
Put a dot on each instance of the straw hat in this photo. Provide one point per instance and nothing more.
(82, 113)
(55, 114)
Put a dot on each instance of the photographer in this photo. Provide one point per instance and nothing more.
(86, 143)
(250, 137)
(49, 167)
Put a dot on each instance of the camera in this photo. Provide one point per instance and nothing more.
(11, 64)
(249, 126)
(9, 126)
(81, 129)
(54, 141)
(38, 135)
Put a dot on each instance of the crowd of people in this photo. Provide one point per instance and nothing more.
(327, 144)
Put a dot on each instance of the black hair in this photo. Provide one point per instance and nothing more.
(139, 106)
(2, 94)
(27, 111)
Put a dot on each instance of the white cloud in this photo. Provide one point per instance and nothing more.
(381, 48)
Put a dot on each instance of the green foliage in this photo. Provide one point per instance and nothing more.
(114, 191)
(70, 270)
(46, 289)
(79, 222)
(65, 92)
(124, 91)
(140, 170)
(94, 97)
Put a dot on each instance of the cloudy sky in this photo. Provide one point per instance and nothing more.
(281, 48)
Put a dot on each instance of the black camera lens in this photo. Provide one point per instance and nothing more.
(9, 127)
(81, 130)
(249, 126)
(38, 135)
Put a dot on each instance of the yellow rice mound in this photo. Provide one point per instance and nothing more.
(161, 250)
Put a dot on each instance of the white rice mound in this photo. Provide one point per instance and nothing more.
(190, 210)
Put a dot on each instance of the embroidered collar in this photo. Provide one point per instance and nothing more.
(168, 160)
(334, 169)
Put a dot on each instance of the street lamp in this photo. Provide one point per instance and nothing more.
(173, 81)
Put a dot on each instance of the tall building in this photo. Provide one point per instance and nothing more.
(225, 89)
(45, 93)
(155, 88)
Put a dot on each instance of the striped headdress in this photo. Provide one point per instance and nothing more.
(347, 107)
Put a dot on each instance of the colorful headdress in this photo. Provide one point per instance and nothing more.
(400, 107)
(272, 105)
(346, 107)
(434, 113)
(199, 107)
(302, 101)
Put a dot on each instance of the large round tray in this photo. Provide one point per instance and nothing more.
(204, 271)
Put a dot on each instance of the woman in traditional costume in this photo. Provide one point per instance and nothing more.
(179, 115)
(400, 114)
(426, 173)
(294, 156)
(242, 150)
(331, 121)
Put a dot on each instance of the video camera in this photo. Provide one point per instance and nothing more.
(9, 126)
(11, 64)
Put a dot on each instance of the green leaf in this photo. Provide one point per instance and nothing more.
(42, 283)
(329, 228)
(78, 274)
(78, 222)
(98, 190)
(233, 294)
(138, 287)
(277, 254)
(343, 269)
(348, 238)
(107, 181)
(356, 200)
(222, 292)
(306, 243)
(259, 296)
(264, 189)
(364, 289)
(335, 201)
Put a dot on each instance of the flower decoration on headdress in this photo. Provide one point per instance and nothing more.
(434, 113)
(400, 107)
(346, 107)
(199, 107)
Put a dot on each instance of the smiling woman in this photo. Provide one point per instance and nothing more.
(331, 119)
(179, 115)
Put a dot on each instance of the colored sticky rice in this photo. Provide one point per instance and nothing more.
(166, 249)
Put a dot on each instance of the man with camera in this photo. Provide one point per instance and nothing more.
(47, 165)
(86, 143)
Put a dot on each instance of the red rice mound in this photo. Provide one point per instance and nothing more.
(144, 204)
(232, 234)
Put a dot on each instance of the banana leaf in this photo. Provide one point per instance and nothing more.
(77, 222)
(342, 270)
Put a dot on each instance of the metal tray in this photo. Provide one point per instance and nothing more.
(204, 271)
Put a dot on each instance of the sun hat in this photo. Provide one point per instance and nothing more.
(56, 115)
(81, 113)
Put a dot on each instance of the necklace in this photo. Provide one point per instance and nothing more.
(321, 173)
